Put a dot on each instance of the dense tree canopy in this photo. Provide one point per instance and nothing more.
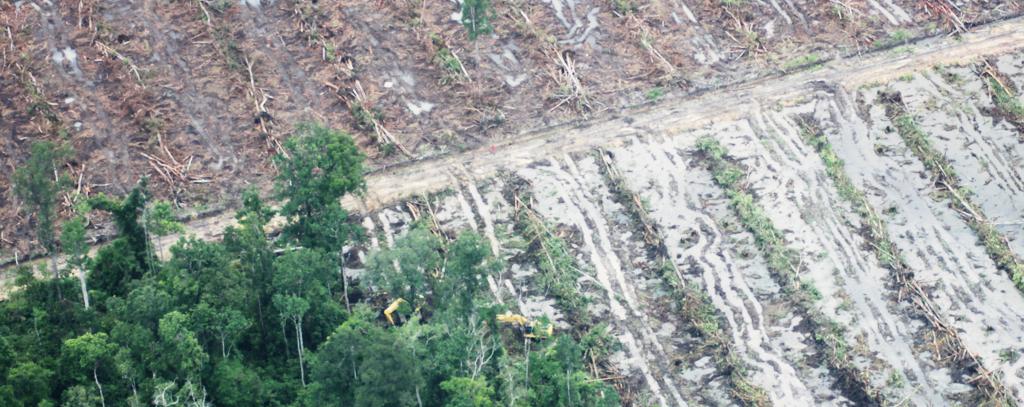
(255, 320)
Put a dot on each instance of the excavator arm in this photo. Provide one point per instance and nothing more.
(392, 308)
(530, 329)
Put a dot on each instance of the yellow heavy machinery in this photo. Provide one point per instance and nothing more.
(390, 311)
(392, 308)
(530, 328)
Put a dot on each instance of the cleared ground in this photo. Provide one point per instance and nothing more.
(647, 219)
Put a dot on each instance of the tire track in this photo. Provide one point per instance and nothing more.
(563, 196)
(696, 243)
(851, 282)
(961, 279)
(986, 154)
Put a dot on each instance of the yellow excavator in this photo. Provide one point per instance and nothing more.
(392, 308)
(530, 328)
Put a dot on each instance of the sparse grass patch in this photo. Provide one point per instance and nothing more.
(655, 94)
(557, 269)
(364, 116)
(1005, 100)
(445, 59)
(229, 49)
(624, 7)
(803, 61)
(894, 38)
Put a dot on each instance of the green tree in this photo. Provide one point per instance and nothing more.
(298, 282)
(468, 392)
(476, 17)
(114, 267)
(88, 351)
(202, 272)
(293, 308)
(30, 382)
(362, 364)
(468, 264)
(321, 166)
(556, 378)
(248, 243)
(131, 372)
(160, 221)
(226, 325)
(126, 213)
(128, 256)
(180, 353)
(6, 356)
(76, 247)
(81, 396)
(37, 184)
(404, 270)
(235, 384)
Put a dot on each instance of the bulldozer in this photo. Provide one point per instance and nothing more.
(531, 329)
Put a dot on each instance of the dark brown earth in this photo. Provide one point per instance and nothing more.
(197, 94)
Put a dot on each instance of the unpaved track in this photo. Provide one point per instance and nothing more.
(393, 184)
(696, 244)
(431, 175)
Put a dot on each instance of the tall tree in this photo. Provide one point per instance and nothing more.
(180, 352)
(406, 270)
(468, 392)
(72, 239)
(476, 17)
(37, 184)
(469, 262)
(363, 364)
(248, 242)
(128, 256)
(126, 213)
(30, 382)
(159, 221)
(88, 351)
(299, 282)
(321, 166)
(293, 308)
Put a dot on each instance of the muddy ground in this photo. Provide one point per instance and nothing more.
(198, 94)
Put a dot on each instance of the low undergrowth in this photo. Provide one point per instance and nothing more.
(445, 60)
(696, 308)
(1003, 96)
(557, 270)
(960, 197)
(888, 255)
(785, 265)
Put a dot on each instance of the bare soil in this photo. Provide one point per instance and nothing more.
(198, 94)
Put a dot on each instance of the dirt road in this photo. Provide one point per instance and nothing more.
(668, 117)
